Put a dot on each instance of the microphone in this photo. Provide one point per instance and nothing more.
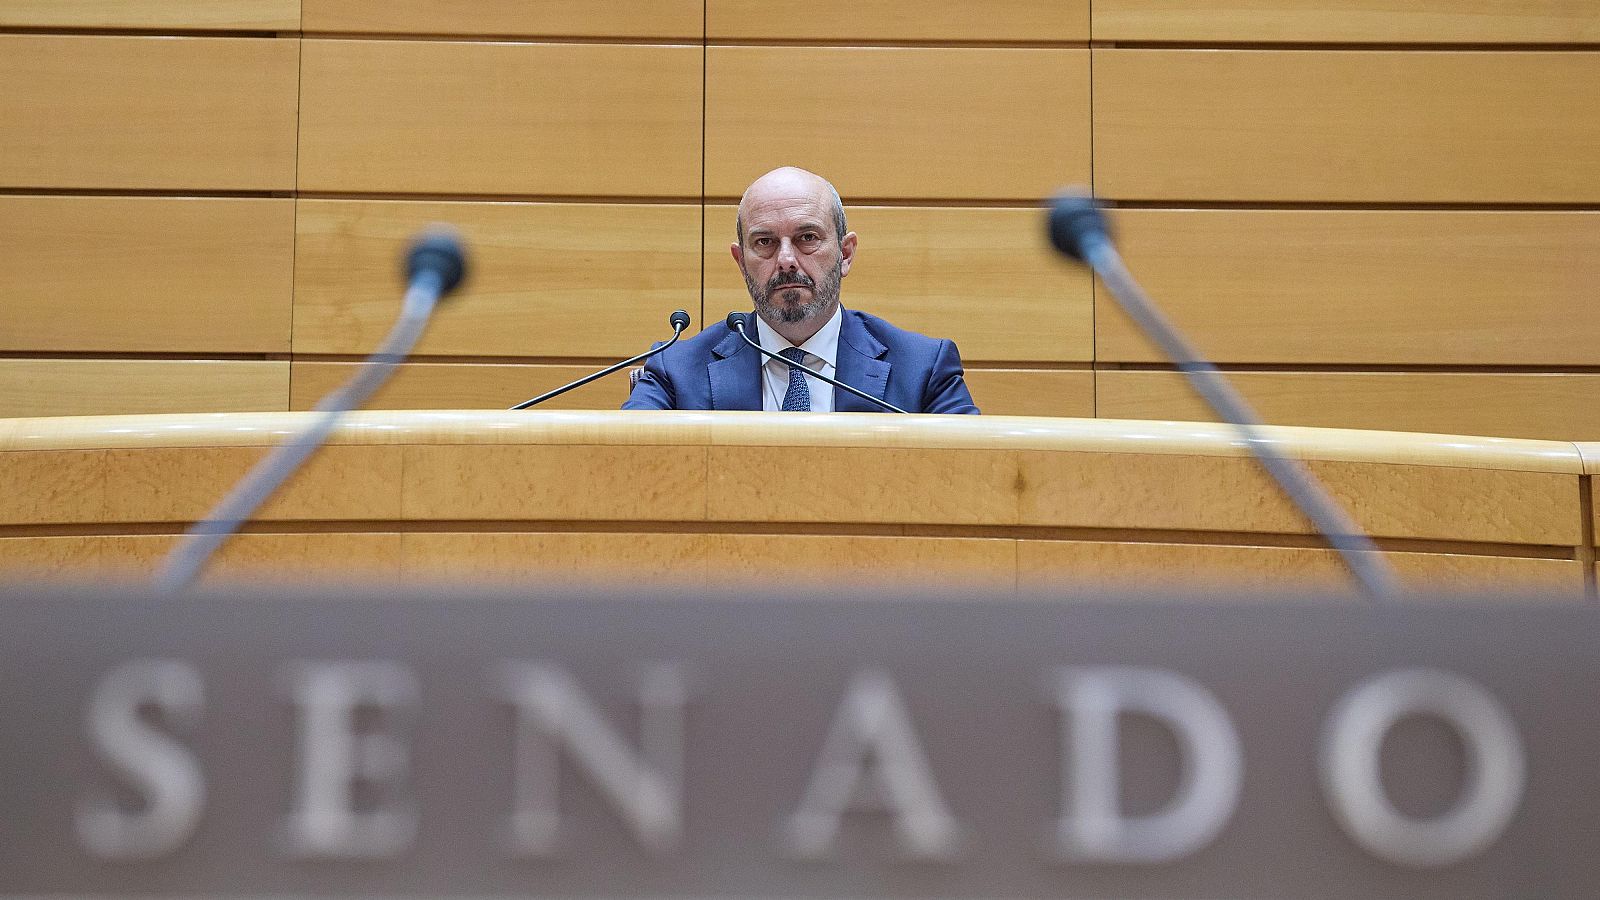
(679, 320)
(735, 322)
(435, 265)
(1078, 229)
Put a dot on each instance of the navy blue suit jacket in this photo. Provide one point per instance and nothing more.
(716, 369)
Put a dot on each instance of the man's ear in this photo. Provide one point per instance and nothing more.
(847, 253)
(738, 254)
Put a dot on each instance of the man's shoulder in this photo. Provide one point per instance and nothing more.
(891, 335)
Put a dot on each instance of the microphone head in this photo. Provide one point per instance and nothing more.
(438, 249)
(1076, 219)
(679, 320)
(735, 321)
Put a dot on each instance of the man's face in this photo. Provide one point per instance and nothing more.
(791, 256)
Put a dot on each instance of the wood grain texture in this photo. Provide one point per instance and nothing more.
(1363, 286)
(136, 274)
(1032, 392)
(679, 560)
(585, 483)
(230, 15)
(258, 558)
(1346, 126)
(463, 386)
(1349, 21)
(500, 118)
(1242, 571)
(547, 279)
(976, 123)
(971, 275)
(1183, 493)
(864, 561)
(147, 112)
(1543, 406)
(890, 20)
(548, 18)
(103, 387)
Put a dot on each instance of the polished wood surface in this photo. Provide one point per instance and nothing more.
(1032, 392)
(1526, 405)
(98, 387)
(548, 18)
(420, 385)
(500, 118)
(547, 279)
(1363, 286)
(591, 495)
(1339, 21)
(242, 15)
(147, 112)
(1028, 21)
(146, 274)
(985, 278)
(1346, 126)
(1009, 123)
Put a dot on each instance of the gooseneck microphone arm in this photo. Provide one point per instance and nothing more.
(679, 321)
(435, 265)
(736, 323)
(1078, 229)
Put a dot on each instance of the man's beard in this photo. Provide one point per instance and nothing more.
(823, 295)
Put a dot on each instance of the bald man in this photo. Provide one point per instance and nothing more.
(794, 251)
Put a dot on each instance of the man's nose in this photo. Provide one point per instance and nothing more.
(786, 256)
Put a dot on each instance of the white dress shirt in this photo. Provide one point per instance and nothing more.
(822, 353)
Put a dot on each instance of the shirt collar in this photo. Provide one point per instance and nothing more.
(824, 344)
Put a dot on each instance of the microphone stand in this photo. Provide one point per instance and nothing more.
(736, 322)
(680, 321)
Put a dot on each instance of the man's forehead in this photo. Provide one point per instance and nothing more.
(778, 210)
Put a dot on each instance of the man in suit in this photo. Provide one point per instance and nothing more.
(794, 250)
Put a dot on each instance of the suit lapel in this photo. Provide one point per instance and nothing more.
(735, 375)
(861, 365)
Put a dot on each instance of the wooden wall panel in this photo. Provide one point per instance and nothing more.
(893, 20)
(231, 15)
(547, 279)
(1349, 21)
(1033, 392)
(682, 19)
(1364, 286)
(981, 123)
(464, 386)
(147, 112)
(500, 118)
(654, 557)
(1044, 566)
(1525, 405)
(138, 274)
(1346, 126)
(985, 278)
(107, 387)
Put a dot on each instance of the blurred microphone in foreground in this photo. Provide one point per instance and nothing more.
(1078, 229)
(435, 266)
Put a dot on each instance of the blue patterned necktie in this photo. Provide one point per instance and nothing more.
(798, 397)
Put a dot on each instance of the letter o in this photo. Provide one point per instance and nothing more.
(1495, 777)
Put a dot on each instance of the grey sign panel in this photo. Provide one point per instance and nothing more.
(558, 744)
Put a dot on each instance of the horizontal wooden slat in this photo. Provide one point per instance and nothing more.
(1416, 21)
(103, 387)
(901, 122)
(147, 112)
(464, 386)
(1032, 392)
(870, 20)
(547, 18)
(985, 278)
(583, 483)
(1377, 287)
(1044, 566)
(259, 558)
(1346, 126)
(1542, 406)
(241, 15)
(500, 118)
(142, 274)
(546, 279)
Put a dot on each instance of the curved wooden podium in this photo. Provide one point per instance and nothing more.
(992, 503)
